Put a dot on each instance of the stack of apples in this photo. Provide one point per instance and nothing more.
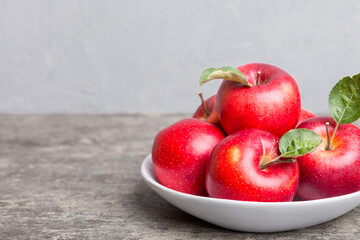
(252, 141)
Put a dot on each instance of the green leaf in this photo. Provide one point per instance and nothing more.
(227, 73)
(298, 142)
(344, 100)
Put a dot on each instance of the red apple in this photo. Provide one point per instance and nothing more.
(207, 111)
(328, 173)
(272, 103)
(180, 153)
(305, 114)
(234, 172)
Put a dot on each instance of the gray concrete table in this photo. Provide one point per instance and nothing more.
(78, 177)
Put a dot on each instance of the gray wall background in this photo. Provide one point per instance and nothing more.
(146, 55)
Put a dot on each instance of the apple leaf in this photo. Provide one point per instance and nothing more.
(298, 142)
(226, 73)
(344, 100)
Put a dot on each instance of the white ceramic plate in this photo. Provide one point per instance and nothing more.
(253, 216)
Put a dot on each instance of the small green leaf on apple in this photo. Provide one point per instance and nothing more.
(344, 100)
(298, 142)
(344, 103)
(226, 73)
(295, 143)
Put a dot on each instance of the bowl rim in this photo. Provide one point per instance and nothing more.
(152, 180)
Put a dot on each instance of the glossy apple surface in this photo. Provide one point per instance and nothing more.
(272, 105)
(305, 114)
(329, 173)
(233, 171)
(211, 115)
(180, 153)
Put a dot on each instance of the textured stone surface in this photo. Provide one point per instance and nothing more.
(78, 177)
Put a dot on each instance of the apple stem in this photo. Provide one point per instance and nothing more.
(203, 104)
(328, 147)
(333, 135)
(258, 78)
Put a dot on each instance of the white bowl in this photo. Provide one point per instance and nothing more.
(253, 216)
